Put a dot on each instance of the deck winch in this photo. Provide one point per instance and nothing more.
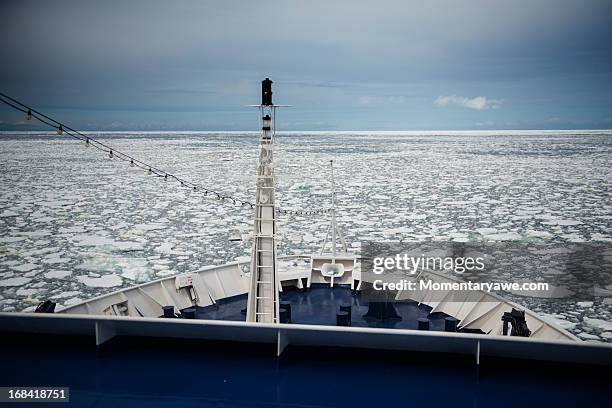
(519, 324)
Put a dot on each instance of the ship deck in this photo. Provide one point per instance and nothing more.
(319, 304)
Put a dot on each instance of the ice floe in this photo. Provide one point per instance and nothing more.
(57, 274)
(598, 323)
(8, 240)
(558, 320)
(587, 336)
(105, 281)
(8, 213)
(19, 281)
(67, 294)
(25, 267)
(26, 292)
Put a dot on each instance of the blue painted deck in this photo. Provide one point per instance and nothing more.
(319, 305)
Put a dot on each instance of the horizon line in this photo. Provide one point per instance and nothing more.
(313, 131)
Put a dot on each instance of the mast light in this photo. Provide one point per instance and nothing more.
(266, 92)
(267, 122)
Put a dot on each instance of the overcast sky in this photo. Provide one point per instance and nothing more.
(344, 65)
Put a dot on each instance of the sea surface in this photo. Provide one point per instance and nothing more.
(75, 223)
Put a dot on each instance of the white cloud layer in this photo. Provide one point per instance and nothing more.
(478, 103)
(381, 100)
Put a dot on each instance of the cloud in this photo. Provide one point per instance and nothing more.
(381, 100)
(187, 91)
(478, 103)
(318, 84)
(481, 124)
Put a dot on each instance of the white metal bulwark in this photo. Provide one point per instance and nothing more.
(262, 304)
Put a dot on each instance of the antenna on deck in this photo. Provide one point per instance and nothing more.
(333, 225)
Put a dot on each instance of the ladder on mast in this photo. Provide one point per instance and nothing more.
(262, 304)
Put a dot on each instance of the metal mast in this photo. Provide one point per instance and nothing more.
(262, 305)
(333, 226)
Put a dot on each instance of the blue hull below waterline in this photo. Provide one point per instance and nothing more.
(128, 371)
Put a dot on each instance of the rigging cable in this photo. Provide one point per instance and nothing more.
(153, 170)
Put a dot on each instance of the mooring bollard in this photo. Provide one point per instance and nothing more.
(423, 324)
(168, 311)
(283, 315)
(450, 324)
(345, 307)
(343, 319)
(285, 304)
(189, 313)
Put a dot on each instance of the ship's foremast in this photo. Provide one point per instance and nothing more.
(262, 304)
